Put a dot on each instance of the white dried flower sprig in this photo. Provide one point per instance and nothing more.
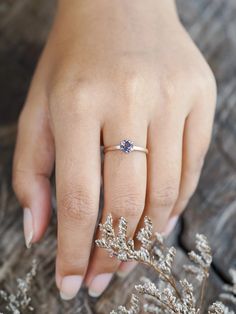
(172, 297)
(21, 301)
(134, 307)
(123, 248)
(201, 260)
(219, 308)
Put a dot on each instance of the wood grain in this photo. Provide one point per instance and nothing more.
(23, 29)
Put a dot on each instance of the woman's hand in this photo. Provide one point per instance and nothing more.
(111, 70)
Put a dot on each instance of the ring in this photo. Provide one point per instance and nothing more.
(126, 146)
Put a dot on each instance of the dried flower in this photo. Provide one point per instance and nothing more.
(202, 260)
(172, 296)
(133, 309)
(219, 308)
(16, 303)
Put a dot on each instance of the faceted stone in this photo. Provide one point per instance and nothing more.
(126, 146)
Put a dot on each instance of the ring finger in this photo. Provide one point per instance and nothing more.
(124, 195)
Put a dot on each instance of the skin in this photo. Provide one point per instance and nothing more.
(111, 70)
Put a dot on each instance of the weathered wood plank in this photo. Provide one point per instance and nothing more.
(23, 29)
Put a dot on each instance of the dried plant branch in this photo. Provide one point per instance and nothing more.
(21, 301)
(202, 261)
(219, 308)
(173, 297)
(134, 307)
(124, 249)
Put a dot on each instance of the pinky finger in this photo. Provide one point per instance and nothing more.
(197, 135)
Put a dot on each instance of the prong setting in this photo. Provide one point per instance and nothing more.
(126, 146)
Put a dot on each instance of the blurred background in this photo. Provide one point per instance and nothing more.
(23, 29)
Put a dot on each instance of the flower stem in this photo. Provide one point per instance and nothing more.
(171, 282)
(202, 293)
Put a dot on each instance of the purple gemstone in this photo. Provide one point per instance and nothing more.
(126, 146)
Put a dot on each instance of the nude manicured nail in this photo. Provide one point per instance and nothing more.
(28, 227)
(126, 268)
(170, 225)
(99, 284)
(70, 286)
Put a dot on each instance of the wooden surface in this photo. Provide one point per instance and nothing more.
(212, 211)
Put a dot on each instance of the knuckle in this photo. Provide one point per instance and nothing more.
(133, 88)
(211, 82)
(207, 89)
(19, 184)
(171, 81)
(133, 82)
(168, 89)
(177, 82)
(203, 82)
(70, 94)
(134, 91)
(164, 197)
(128, 204)
(78, 205)
(208, 79)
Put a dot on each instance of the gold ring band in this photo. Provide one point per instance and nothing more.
(117, 147)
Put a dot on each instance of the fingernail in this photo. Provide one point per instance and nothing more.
(70, 286)
(126, 268)
(28, 227)
(99, 284)
(170, 225)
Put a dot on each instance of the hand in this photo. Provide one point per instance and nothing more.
(110, 71)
